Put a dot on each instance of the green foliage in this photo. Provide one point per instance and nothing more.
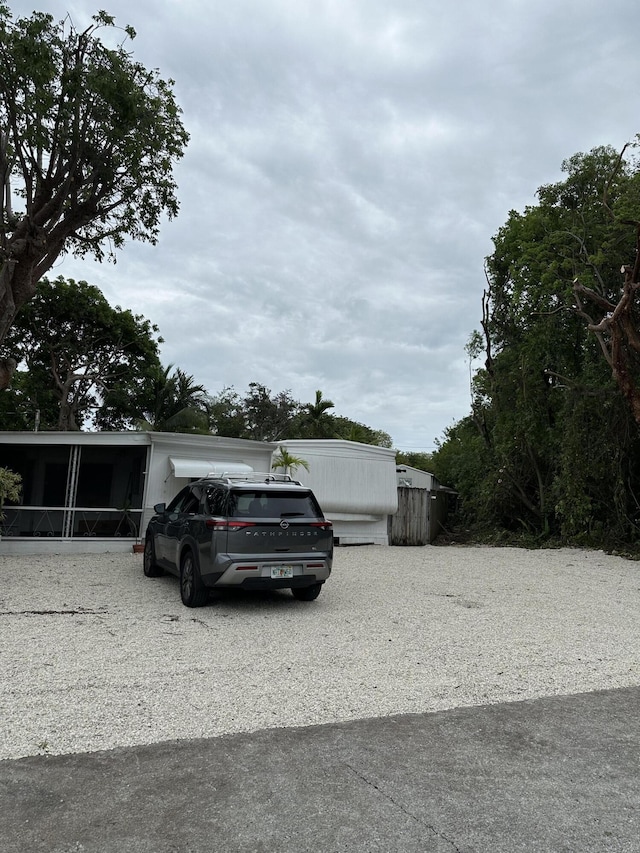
(315, 420)
(267, 416)
(550, 449)
(173, 402)
(463, 462)
(88, 141)
(10, 488)
(264, 416)
(226, 414)
(16, 410)
(349, 430)
(290, 463)
(259, 415)
(421, 461)
(83, 357)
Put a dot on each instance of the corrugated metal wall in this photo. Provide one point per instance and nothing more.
(347, 477)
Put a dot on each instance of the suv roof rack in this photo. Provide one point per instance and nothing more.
(252, 477)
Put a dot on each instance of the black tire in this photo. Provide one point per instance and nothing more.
(306, 593)
(192, 590)
(149, 564)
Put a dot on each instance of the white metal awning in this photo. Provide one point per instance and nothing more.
(190, 468)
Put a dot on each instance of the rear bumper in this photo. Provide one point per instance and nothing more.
(270, 583)
(256, 574)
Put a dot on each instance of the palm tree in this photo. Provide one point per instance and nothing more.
(176, 403)
(286, 460)
(316, 419)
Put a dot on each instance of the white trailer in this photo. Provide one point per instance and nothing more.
(92, 492)
(355, 484)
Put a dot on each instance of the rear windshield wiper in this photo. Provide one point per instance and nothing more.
(291, 514)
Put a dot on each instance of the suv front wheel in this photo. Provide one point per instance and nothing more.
(192, 590)
(149, 565)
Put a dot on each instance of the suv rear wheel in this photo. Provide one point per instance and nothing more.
(192, 590)
(306, 593)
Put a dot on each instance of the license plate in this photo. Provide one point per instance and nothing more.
(281, 571)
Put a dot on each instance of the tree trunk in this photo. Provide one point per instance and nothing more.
(7, 369)
(19, 257)
(618, 332)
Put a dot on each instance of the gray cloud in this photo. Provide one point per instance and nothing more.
(348, 166)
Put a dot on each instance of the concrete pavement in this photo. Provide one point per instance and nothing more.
(553, 774)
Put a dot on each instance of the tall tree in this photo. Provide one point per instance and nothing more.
(226, 414)
(78, 351)
(88, 141)
(268, 416)
(558, 449)
(613, 313)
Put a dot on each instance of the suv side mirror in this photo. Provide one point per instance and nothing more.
(159, 508)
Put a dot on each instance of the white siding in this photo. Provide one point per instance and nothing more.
(220, 452)
(355, 484)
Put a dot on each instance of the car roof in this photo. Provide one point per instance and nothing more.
(252, 482)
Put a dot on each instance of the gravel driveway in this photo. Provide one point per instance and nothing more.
(94, 655)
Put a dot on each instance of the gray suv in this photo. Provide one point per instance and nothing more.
(261, 531)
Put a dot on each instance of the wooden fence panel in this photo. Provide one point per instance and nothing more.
(410, 525)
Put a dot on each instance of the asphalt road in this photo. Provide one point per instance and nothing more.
(552, 774)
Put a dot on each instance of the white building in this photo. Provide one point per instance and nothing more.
(416, 478)
(95, 492)
(355, 484)
(91, 492)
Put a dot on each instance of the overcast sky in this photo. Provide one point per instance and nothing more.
(349, 163)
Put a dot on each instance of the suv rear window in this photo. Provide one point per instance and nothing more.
(272, 504)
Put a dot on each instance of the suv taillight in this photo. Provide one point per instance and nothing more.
(218, 524)
(323, 525)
